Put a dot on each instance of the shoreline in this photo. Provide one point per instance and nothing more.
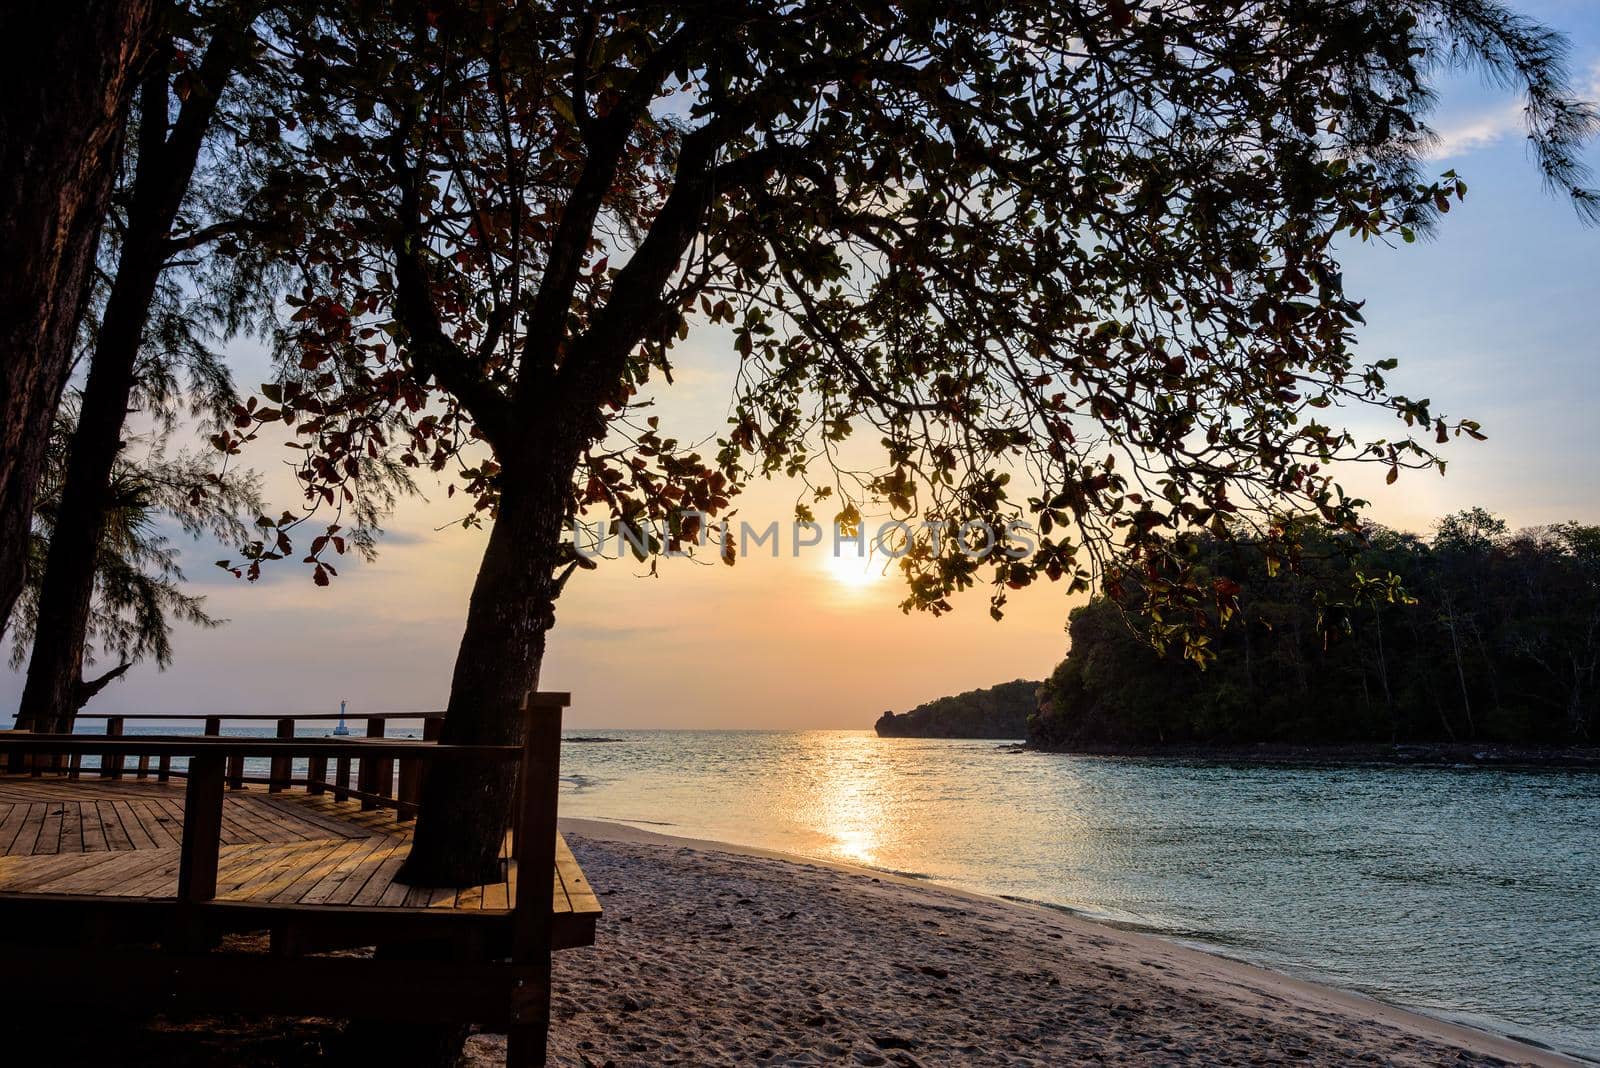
(1422, 754)
(1248, 988)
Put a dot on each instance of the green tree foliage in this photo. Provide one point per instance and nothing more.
(1497, 639)
(1070, 261)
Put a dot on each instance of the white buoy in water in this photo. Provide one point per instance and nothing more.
(341, 731)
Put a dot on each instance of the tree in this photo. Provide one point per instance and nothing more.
(60, 138)
(191, 184)
(137, 578)
(1298, 669)
(1072, 262)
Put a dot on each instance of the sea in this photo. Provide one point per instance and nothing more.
(1471, 894)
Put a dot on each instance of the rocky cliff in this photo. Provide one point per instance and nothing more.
(998, 712)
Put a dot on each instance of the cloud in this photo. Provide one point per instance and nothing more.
(1478, 131)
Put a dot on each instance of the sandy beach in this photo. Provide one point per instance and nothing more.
(711, 954)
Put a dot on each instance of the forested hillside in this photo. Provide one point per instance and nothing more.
(997, 712)
(1496, 640)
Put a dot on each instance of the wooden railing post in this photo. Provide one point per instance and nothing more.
(316, 774)
(534, 840)
(413, 772)
(111, 760)
(341, 779)
(377, 774)
(282, 768)
(408, 790)
(202, 829)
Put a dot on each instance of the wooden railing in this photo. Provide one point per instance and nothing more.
(498, 976)
(365, 775)
(212, 758)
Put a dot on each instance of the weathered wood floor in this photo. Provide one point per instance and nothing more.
(120, 839)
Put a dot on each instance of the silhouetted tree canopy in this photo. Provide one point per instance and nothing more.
(1498, 640)
(1069, 262)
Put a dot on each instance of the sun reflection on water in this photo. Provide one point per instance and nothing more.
(1342, 871)
(850, 799)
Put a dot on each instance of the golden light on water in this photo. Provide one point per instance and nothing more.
(850, 796)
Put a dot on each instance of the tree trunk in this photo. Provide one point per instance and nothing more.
(466, 805)
(60, 139)
(165, 167)
(55, 669)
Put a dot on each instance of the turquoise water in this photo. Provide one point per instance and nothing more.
(1472, 894)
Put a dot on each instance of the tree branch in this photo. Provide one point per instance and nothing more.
(430, 349)
(607, 140)
(88, 689)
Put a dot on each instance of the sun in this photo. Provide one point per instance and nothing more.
(854, 571)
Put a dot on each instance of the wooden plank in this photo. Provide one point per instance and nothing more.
(202, 829)
(388, 849)
(242, 823)
(380, 886)
(356, 861)
(260, 866)
(49, 840)
(118, 873)
(136, 823)
(254, 823)
(316, 868)
(92, 830)
(428, 897)
(159, 820)
(18, 873)
(160, 880)
(496, 897)
(394, 892)
(71, 837)
(103, 872)
(28, 838)
(237, 865)
(312, 820)
(580, 895)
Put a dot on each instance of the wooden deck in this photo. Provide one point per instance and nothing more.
(110, 839)
(127, 890)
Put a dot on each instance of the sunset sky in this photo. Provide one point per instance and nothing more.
(1498, 319)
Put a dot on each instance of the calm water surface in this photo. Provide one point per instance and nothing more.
(1469, 893)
